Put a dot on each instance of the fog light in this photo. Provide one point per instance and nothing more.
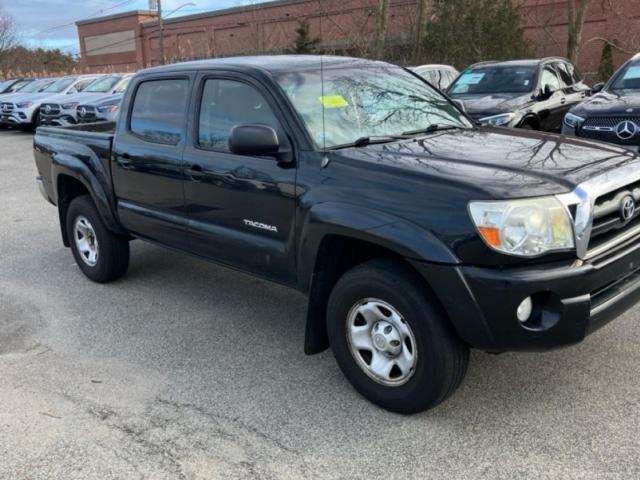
(524, 310)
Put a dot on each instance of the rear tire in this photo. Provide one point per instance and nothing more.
(101, 255)
(412, 333)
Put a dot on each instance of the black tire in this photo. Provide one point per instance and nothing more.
(113, 250)
(527, 126)
(442, 359)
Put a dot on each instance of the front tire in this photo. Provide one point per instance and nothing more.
(391, 338)
(101, 255)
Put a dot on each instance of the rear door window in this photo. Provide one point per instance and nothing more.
(158, 113)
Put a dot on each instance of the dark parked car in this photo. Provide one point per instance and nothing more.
(530, 94)
(613, 114)
(414, 233)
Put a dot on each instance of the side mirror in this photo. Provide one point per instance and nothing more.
(460, 105)
(254, 140)
(597, 87)
(545, 93)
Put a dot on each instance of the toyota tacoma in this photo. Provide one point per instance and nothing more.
(415, 233)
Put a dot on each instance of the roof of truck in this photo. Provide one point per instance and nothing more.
(269, 63)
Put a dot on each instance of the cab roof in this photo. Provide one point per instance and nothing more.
(267, 63)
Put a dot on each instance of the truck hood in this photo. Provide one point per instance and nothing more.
(493, 104)
(500, 163)
(609, 103)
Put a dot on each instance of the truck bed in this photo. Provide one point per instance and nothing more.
(90, 143)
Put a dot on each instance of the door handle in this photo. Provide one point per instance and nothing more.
(195, 172)
(124, 161)
(563, 101)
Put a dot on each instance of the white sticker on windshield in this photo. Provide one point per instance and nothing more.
(471, 78)
(632, 72)
(526, 83)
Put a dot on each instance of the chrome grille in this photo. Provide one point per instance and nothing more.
(86, 113)
(7, 107)
(604, 128)
(49, 109)
(611, 225)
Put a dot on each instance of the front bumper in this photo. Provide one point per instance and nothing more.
(570, 300)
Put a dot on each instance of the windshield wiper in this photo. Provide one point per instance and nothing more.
(364, 141)
(430, 129)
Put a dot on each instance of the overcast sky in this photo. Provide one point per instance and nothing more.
(33, 17)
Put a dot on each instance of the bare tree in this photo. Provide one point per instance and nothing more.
(7, 39)
(421, 25)
(577, 10)
(381, 28)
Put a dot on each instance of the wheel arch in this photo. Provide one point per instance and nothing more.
(337, 237)
(72, 178)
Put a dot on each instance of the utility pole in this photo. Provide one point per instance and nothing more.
(381, 29)
(161, 25)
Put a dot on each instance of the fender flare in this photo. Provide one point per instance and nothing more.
(70, 166)
(398, 235)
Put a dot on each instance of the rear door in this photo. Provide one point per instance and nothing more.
(146, 159)
(240, 208)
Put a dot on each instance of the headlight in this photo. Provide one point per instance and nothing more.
(24, 104)
(573, 121)
(108, 108)
(69, 106)
(498, 120)
(524, 228)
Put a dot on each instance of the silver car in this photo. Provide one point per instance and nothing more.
(440, 76)
(62, 109)
(23, 109)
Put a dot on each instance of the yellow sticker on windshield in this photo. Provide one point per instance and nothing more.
(333, 101)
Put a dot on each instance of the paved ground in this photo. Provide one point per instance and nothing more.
(185, 370)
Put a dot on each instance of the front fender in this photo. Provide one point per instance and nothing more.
(395, 234)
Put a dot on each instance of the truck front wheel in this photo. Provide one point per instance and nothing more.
(391, 338)
(101, 255)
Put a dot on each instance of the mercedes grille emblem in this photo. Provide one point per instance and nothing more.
(47, 109)
(625, 130)
(83, 111)
(627, 208)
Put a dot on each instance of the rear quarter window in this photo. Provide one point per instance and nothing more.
(158, 112)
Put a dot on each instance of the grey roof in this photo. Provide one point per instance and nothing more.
(230, 10)
(116, 16)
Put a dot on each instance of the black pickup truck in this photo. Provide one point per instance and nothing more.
(415, 233)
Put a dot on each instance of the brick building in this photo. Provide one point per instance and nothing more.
(131, 40)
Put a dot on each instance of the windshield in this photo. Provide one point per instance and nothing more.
(103, 85)
(357, 102)
(60, 85)
(495, 79)
(123, 86)
(628, 78)
(35, 86)
(19, 86)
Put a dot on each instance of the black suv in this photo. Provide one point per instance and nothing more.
(531, 94)
(613, 114)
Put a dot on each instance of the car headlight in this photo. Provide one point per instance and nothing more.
(24, 104)
(69, 106)
(108, 108)
(573, 121)
(524, 228)
(498, 120)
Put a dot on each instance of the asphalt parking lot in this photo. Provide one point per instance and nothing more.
(187, 370)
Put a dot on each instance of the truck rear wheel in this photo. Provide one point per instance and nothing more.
(391, 338)
(101, 255)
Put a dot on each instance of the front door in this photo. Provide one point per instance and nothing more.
(240, 208)
(552, 108)
(147, 161)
